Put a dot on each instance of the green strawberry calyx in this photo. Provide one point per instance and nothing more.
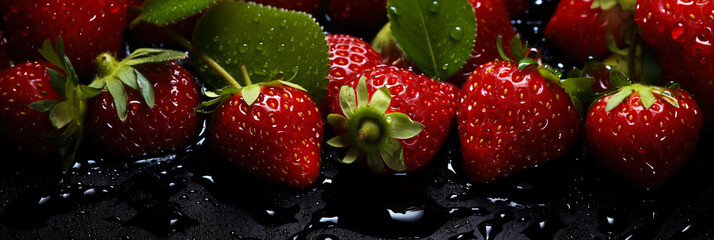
(646, 93)
(577, 88)
(114, 75)
(628, 5)
(70, 113)
(369, 130)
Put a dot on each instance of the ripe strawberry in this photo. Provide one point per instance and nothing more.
(348, 56)
(169, 121)
(273, 131)
(363, 14)
(513, 115)
(492, 21)
(680, 33)
(20, 86)
(579, 28)
(4, 53)
(308, 6)
(402, 126)
(87, 27)
(644, 134)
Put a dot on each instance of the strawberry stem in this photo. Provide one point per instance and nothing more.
(206, 59)
(369, 131)
(106, 64)
(244, 71)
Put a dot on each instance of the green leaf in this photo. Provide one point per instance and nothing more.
(61, 114)
(250, 93)
(116, 89)
(646, 96)
(151, 55)
(393, 155)
(146, 89)
(165, 12)
(362, 93)
(618, 98)
(338, 141)
(267, 40)
(437, 35)
(580, 87)
(44, 105)
(348, 103)
(337, 121)
(402, 127)
(351, 156)
(381, 100)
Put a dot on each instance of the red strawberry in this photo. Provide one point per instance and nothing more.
(579, 28)
(348, 56)
(19, 86)
(171, 123)
(276, 136)
(402, 104)
(512, 118)
(308, 6)
(491, 21)
(680, 34)
(87, 27)
(647, 138)
(516, 8)
(363, 14)
(4, 53)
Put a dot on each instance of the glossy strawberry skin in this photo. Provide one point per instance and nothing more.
(510, 120)
(171, 124)
(348, 56)
(277, 138)
(645, 146)
(88, 28)
(362, 14)
(19, 86)
(308, 6)
(579, 31)
(681, 35)
(492, 20)
(424, 100)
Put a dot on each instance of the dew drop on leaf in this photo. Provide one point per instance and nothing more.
(456, 34)
(243, 48)
(434, 7)
(216, 38)
(393, 10)
(259, 47)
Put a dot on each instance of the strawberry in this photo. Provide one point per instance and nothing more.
(308, 6)
(20, 86)
(680, 33)
(87, 27)
(513, 115)
(402, 126)
(164, 120)
(272, 130)
(4, 53)
(644, 134)
(492, 21)
(348, 56)
(363, 14)
(580, 28)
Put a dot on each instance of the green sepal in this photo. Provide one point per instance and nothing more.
(362, 93)
(375, 163)
(116, 89)
(525, 62)
(603, 4)
(403, 127)
(348, 102)
(548, 74)
(250, 93)
(668, 97)
(57, 80)
(501, 51)
(393, 155)
(619, 79)
(618, 97)
(145, 88)
(338, 141)
(44, 105)
(292, 85)
(646, 96)
(337, 120)
(61, 114)
(152, 55)
(89, 92)
(127, 77)
(612, 43)
(578, 88)
(216, 98)
(351, 156)
(517, 48)
(381, 99)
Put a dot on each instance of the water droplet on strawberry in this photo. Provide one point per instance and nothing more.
(678, 31)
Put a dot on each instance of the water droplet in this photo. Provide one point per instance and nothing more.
(220, 47)
(434, 7)
(260, 46)
(265, 65)
(445, 66)
(678, 31)
(216, 38)
(284, 23)
(393, 11)
(243, 48)
(456, 34)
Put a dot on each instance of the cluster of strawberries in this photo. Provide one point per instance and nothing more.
(511, 114)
